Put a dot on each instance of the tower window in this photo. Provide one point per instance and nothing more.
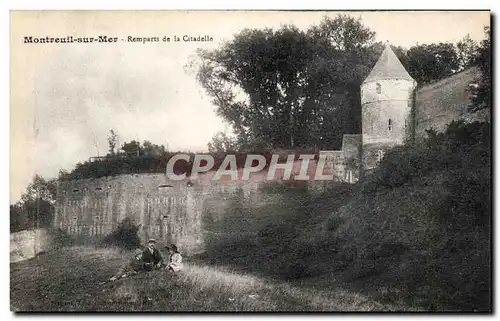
(379, 88)
(390, 124)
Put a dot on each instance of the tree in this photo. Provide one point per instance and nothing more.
(481, 96)
(40, 188)
(345, 54)
(267, 68)
(289, 88)
(222, 143)
(112, 141)
(17, 218)
(428, 63)
(36, 207)
(343, 33)
(132, 148)
(152, 150)
(466, 52)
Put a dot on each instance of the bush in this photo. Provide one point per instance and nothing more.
(124, 236)
(422, 223)
(461, 145)
(333, 223)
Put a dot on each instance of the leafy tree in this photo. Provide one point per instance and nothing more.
(152, 150)
(40, 188)
(345, 54)
(132, 148)
(112, 141)
(288, 88)
(466, 52)
(36, 207)
(222, 143)
(17, 218)
(428, 63)
(267, 67)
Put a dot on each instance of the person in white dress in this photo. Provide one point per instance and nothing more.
(175, 261)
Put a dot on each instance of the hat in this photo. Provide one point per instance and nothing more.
(173, 247)
(152, 241)
(137, 252)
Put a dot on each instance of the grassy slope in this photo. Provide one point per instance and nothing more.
(416, 234)
(343, 251)
(68, 280)
(396, 239)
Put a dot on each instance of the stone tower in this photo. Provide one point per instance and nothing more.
(386, 104)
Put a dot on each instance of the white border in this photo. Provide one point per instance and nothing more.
(186, 4)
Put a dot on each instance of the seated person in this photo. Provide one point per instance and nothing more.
(152, 257)
(132, 267)
(175, 261)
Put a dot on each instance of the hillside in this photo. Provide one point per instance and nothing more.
(70, 280)
(414, 235)
(416, 232)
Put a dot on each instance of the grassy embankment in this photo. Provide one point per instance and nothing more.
(69, 280)
(415, 233)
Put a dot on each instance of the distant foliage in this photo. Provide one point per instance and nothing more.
(112, 141)
(467, 51)
(36, 207)
(124, 236)
(154, 159)
(481, 96)
(222, 143)
(428, 63)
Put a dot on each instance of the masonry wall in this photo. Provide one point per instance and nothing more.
(170, 211)
(27, 244)
(166, 210)
(345, 164)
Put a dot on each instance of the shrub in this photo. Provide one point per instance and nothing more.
(124, 236)
(61, 238)
(422, 223)
(334, 222)
(461, 145)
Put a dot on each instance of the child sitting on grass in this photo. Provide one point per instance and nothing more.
(175, 261)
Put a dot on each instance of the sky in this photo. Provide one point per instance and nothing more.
(75, 93)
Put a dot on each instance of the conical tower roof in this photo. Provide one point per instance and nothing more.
(388, 66)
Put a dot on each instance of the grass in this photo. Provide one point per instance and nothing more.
(69, 280)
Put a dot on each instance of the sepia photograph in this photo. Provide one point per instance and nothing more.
(250, 161)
